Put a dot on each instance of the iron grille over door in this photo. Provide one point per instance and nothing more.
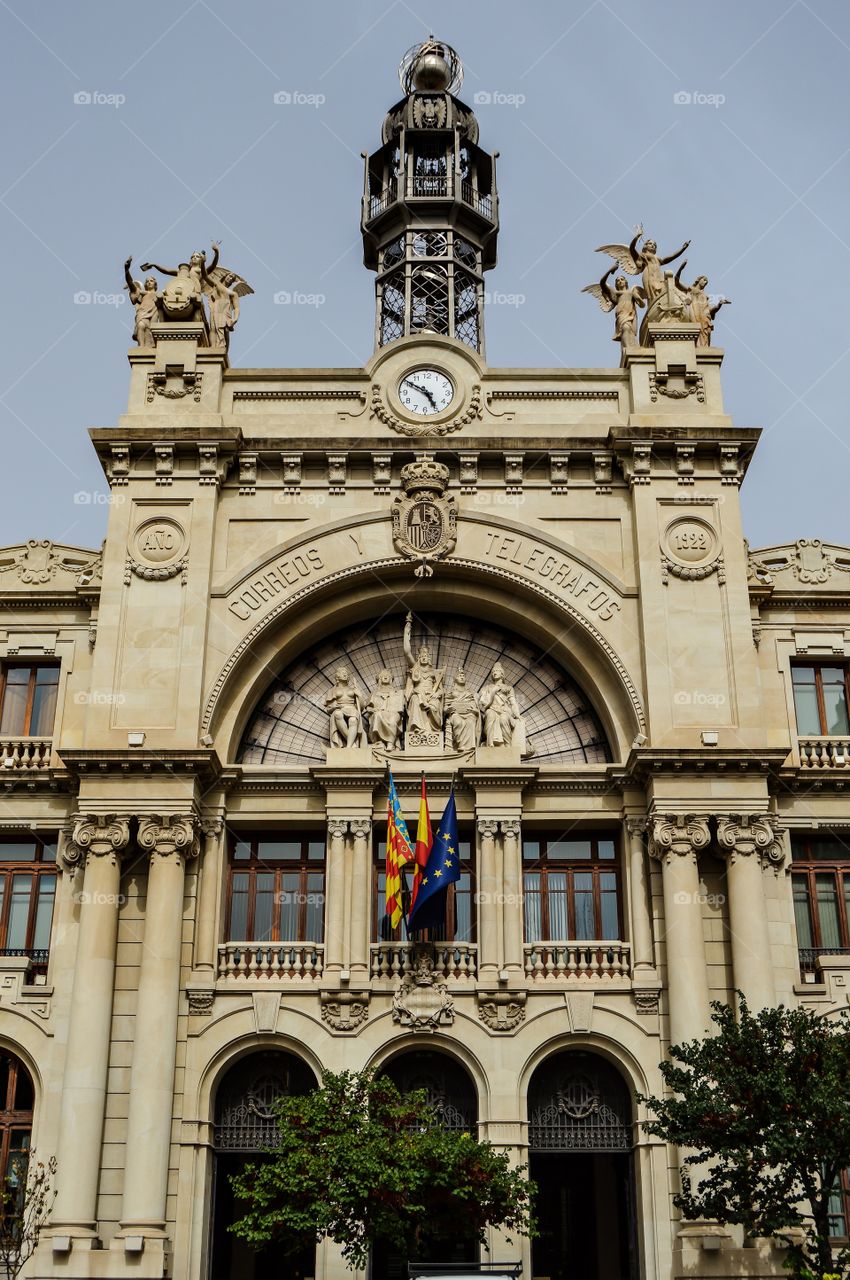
(578, 1102)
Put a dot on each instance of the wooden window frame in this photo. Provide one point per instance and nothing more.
(13, 1120)
(594, 864)
(5, 667)
(468, 866)
(817, 666)
(805, 867)
(36, 868)
(255, 865)
(843, 1190)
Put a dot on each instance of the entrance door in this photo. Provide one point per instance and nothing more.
(580, 1157)
(245, 1128)
(583, 1217)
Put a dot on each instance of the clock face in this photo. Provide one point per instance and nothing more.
(425, 392)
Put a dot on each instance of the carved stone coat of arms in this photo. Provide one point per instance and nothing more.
(424, 519)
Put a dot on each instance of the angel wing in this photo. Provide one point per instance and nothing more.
(231, 280)
(621, 254)
(600, 295)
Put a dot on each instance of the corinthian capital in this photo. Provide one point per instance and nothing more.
(361, 828)
(97, 835)
(680, 835)
(487, 827)
(746, 835)
(510, 827)
(169, 833)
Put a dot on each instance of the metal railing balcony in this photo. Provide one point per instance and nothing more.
(427, 186)
(810, 959)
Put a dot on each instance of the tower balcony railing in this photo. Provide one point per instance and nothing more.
(822, 752)
(424, 186)
(560, 961)
(452, 961)
(274, 961)
(25, 754)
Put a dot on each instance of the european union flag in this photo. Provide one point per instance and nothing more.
(441, 870)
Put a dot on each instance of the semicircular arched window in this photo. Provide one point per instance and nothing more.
(290, 724)
(17, 1099)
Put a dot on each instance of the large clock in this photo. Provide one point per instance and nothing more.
(425, 392)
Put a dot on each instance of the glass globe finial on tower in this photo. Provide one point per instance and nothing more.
(430, 208)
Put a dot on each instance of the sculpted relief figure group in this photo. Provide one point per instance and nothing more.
(668, 300)
(424, 712)
(183, 297)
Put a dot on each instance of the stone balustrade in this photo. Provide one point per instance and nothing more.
(825, 753)
(556, 961)
(452, 961)
(25, 753)
(275, 961)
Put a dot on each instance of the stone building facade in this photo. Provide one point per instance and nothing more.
(192, 871)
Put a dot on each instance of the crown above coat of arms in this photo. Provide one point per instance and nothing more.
(425, 475)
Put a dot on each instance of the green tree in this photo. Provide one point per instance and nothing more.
(763, 1106)
(26, 1200)
(359, 1162)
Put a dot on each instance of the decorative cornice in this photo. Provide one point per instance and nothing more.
(201, 761)
(300, 395)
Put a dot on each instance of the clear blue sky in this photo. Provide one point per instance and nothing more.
(592, 141)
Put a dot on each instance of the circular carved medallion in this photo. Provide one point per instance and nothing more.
(690, 547)
(159, 541)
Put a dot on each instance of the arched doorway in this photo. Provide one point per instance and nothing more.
(580, 1138)
(451, 1094)
(244, 1128)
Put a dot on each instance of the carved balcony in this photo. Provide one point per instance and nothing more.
(577, 961)
(271, 961)
(25, 754)
(810, 961)
(453, 962)
(825, 752)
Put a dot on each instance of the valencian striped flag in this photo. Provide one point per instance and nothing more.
(424, 841)
(441, 870)
(399, 853)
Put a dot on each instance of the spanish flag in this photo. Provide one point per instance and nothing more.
(424, 841)
(399, 853)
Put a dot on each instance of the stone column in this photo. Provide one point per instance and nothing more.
(748, 841)
(170, 839)
(335, 897)
(209, 890)
(512, 913)
(489, 959)
(361, 900)
(643, 957)
(96, 843)
(675, 840)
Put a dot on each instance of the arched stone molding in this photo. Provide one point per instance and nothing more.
(622, 1050)
(437, 1043)
(361, 592)
(219, 1052)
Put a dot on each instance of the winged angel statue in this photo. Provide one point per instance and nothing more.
(622, 300)
(182, 298)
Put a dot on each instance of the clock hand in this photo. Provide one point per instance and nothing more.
(424, 391)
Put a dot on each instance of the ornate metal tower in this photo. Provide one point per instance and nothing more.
(430, 210)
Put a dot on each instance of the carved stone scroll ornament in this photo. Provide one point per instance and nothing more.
(677, 835)
(501, 1010)
(168, 834)
(96, 835)
(381, 411)
(424, 520)
(744, 835)
(344, 1010)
